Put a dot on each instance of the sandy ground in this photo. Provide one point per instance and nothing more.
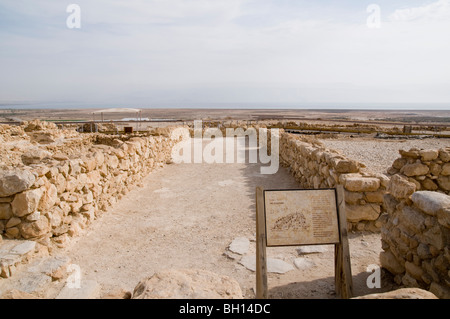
(379, 154)
(186, 215)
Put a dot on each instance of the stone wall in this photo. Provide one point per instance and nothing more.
(426, 169)
(416, 238)
(51, 196)
(314, 166)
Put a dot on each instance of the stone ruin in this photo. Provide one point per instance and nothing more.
(55, 182)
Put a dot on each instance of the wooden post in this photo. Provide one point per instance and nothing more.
(343, 271)
(261, 262)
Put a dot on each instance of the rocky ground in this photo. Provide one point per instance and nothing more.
(379, 154)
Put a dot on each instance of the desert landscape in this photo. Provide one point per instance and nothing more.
(83, 201)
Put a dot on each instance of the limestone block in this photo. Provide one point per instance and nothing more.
(428, 184)
(35, 229)
(431, 202)
(399, 163)
(400, 187)
(445, 169)
(412, 153)
(15, 181)
(352, 198)
(412, 218)
(374, 197)
(5, 211)
(415, 169)
(444, 154)
(362, 184)
(356, 213)
(444, 182)
(35, 156)
(27, 202)
(389, 262)
(428, 155)
(49, 198)
(435, 169)
(346, 166)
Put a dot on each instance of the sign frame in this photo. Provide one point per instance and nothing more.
(342, 265)
(301, 190)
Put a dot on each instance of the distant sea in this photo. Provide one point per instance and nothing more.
(237, 106)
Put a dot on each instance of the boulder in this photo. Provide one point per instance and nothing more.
(187, 284)
(404, 293)
(431, 202)
(15, 181)
(429, 155)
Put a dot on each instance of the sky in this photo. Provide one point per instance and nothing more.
(175, 53)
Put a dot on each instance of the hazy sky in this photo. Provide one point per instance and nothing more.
(175, 52)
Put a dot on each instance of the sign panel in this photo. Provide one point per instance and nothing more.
(301, 217)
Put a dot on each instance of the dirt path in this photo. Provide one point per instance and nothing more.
(186, 215)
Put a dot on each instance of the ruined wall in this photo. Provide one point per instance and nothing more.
(426, 169)
(416, 238)
(314, 166)
(416, 235)
(50, 196)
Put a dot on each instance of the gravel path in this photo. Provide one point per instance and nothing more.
(378, 155)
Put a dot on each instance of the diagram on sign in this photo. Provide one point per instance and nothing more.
(299, 217)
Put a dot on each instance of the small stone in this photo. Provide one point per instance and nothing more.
(240, 245)
(13, 232)
(13, 222)
(5, 211)
(273, 265)
(312, 249)
(24, 248)
(33, 282)
(303, 263)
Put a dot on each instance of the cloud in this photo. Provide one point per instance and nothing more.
(433, 12)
